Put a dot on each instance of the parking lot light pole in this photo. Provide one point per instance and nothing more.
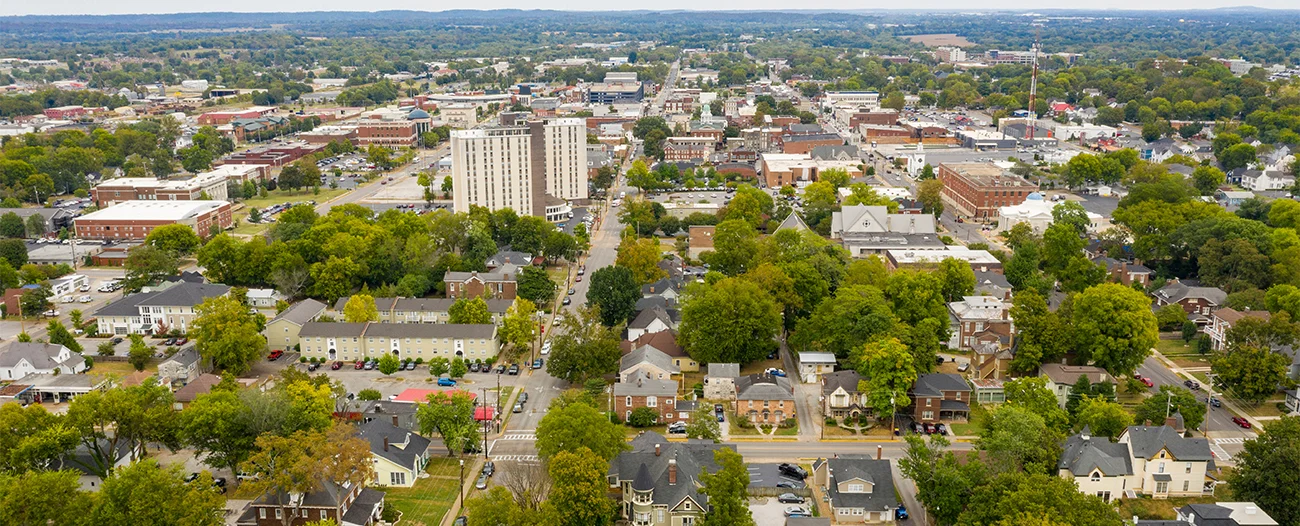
(462, 484)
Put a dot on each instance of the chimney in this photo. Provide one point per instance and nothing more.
(394, 420)
(1171, 422)
(879, 449)
(672, 471)
(385, 443)
(656, 450)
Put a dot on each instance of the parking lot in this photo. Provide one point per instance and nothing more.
(355, 380)
(768, 476)
(768, 512)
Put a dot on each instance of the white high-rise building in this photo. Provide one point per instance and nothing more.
(532, 168)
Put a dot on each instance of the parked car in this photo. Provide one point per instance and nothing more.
(963, 367)
(116, 341)
(474, 367)
(573, 291)
(85, 299)
(775, 372)
(786, 484)
(717, 410)
(938, 360)
(336, 366)
(446, 382)
(1215, 402)
(546, 348)
(513, 370)
(797, 511)
(275, 355)
(792, 471)
(360, 364)
(566, 301)
(900, 513)
(677, 428)
(523, 397)
(489, 468)
(481, 483)
(461, 521)
(537, 364)
(313, 366)
(930, 429)
(941, 429)
(519, 408)
(789, 498)
(1241, 422)
(501, 369)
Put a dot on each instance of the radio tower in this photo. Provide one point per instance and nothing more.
(1033, 85)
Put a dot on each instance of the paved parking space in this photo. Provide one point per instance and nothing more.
(356, 380)
(768, 476)
(768, 512)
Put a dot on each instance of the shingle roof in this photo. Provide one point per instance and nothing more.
(332, 329)
(301, 312)
(186, 294)
(1176, 291)
(876, 472)
(1081, 456)
(651, 355)
(847, 379)
(763, 387)
(693, 457)
(431, 330)
(185, 357)
(646, 317)
(41, 356)
(201, 385)
(482, 276)
(935, 384)
(644, 386)
(722, 370)
(1146, 441)
(375, 431)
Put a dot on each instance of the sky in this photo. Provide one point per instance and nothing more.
(101, 7)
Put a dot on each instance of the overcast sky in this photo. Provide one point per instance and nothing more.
(65, 7)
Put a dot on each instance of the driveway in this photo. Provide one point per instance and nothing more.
(765, 475)
(767, 511)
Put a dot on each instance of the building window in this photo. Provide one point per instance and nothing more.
(397, 478)
(1096, 476)
(856, 488)
(1160, 468)
(323, 515)
(628, 401)
(1189, 468)
(1186, 485)
(1162, 487)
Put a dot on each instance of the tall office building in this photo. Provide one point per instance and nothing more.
(533, 168)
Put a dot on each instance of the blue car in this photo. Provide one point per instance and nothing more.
(446, 382)
(900, 513)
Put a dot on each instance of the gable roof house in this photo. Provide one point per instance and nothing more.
(668, 288)
(1097, 465)
(1222, 320)
(345, 504)
(282, 331)
(940, 397)
(1217, 514)
(765, 398)
(182, 367)
(1196, 300)
(487, 285)
(648, 361)
(1167, 464)
(199, 385)
(650, 321)
(399, 454)
(1256, 181)
(840, 395)
(157, 311)
(991, 283)
(657, 482)
(864, 230)
(19, 359)
(642, 390)
(1060, 378)
(720, 381)
(665, 342)
(860, 489)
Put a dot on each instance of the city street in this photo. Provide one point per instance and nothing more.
(1218, 425)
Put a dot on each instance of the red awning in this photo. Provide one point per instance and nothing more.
(482, 414)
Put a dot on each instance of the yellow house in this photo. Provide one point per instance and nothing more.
(282, 332)
(399, 455)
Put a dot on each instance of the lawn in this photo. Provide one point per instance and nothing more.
(118, 370)
(1267, 408)
(965, 430)
(759, 366)
(1162, 509)
(430, 498)
(1175, 348)
(837, 431)
(792, 431)
(242, 226)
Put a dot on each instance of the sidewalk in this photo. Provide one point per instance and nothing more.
(1227, 404)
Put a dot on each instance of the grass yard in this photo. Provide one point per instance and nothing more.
(240, 217)
(117, 370)
(431, 497)
(759, 366)
(965, 430)
(1162, 509)
(838, 432)
(1267, 408)
(1176, 347)
(792, 431)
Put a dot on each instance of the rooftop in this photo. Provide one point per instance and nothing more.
(154, 210)
(986, 174)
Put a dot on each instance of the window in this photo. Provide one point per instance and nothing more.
(856, 488)
(261, 513)
(628, 402)
(1096, 476)
(1189, 468)
(1186, 485)
(279, 513)
(1105, 495)
(927, 415)
(323, 515)
(651, 401)
(397, 478)
(1162, 487)
(1160, 468)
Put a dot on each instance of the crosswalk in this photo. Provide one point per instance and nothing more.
(519, 436)
(1237, 440)
(1220, 454)
(515, 458)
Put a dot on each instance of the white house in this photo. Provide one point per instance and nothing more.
(399, 456)
(1060, 378)
(20, 359)
(1150, 460)
(1037, 213)
(814, 364)
(1261, 181)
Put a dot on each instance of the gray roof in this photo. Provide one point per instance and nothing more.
(375, 431)
(363, 506)
(644, 386)
(1177, 291)
(692, 457)
(40, 355)
(651, 355)
(432, 330)
(763, 387)
(382, 304)
(126, 306)
(848, 379)
(807, 521)
(509, 256)
(185, 357)
(186, 294)
(722, 370)
(332, 329)
(793, 221)
(1147, 441)
(1212, 515)
(302, 312)
(935, 384)
(646, 317)
(876, 472)
(662, 285)
(838, 151)
(1083, 455)
(481, 276)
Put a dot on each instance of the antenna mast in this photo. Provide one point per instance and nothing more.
(1033, 84)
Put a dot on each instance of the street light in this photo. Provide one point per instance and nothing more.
(462, 483)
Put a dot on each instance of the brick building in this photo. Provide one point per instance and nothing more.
(977, 190)
(806, 143)
(391, 133)
(880, 118)
(66, 112)
(940, 397)
(209, 185)
(765, 399)
(135, 219)
(217, 118)
(980, 320)
(644, 391)
(274, 155)
(487, 285)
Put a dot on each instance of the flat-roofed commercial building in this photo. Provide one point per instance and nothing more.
(207, 185)
(516, 167)
(135, 219)
(978, 189)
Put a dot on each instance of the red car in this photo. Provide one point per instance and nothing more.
(359, 365)
(275, 355)
(1241, 422)
(336, 366)
(1145, 381)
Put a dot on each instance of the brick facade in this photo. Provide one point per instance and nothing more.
(766, 411)
(978, 189)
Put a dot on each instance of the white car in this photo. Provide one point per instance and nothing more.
(50, 313)
(546, 348)
(85, 299)
(797, 511)
(67, 299)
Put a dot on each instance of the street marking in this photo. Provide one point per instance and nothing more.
(1220, 453)
(515, 458)
(519, 436)
(1230, 440)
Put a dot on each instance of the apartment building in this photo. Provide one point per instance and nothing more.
(518, 167)
(207, 185)
(135, 219)
(977, 190)
(156, 312)
(358, 341)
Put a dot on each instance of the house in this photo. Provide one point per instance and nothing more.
(979, 320)
(1060, 378)
(720, 381)
(282, 331)
(1125, 272)
(1150, 460)
(666, 342)
(1293, 401)
(81, 461)
(865, 230)
(765, 399)
(157, 312)
(793, 222)
(992, 361)
(1217, 514)
(265, 299)
(990, 283)
(182, 367)
(1222, 320)
(860, 490)
(840, 395)
(508, 256)
(657, 482)
(1197, 301)
(487, 285)
(667, 288)
(814, 364)
(422, 310)
(650, 321)
(1231, 198)
(357, 341)
(399, 454)
(940, 397)
(649, 362)
(1266, 181)
(345, 504)
(1097, 465)
(19, 359)
(642, 390)
(200, 385)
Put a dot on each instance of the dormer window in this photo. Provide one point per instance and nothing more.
(1096, 476)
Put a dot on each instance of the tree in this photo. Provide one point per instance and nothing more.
(458, 368)
(735, 243)
(1252, 373)
(1082, 169)
(888, 371)
(856, 315)
(1042, 334)
(177, 239)
(930, 194)
(1268, 470)
(303, 461)
(451, 415)
(519, 327)
(227, 334)
(586, 348)
(146, 493)
(615, 291)
(1032, 394)
(559, 245)
(703, 424)
(35, 301)
(1016, 439)
(334, 277)
(360, 308)
(496, 507)
(15, 251)
(389, 364)
(727, 491)
(1170, 317)
(1018, 499)
(641, 256)
(124, 418)
(927, 172)
(579, 487)
(59, 335)
(575, 426)
(1114, 327)
(44, 497)
(536, 285)
(1207, 179)
(1104, 417)
(473, 311)
(1169, 400)
(140, 353)
(1237, 156)
(943, 484)
(32, 439)
(643, 417)
(439, 366)
(12, 226)
(732, 320)
(217, 425)
(957, 277)
(1061, 244)
(35, 226)
(147, 264)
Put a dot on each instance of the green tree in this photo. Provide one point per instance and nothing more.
(1104, 417)
(703, 424)
(147, 264)
(1114, 327)
(1268, 470)
(465, 310)
(856, 315)
(888, 372)
(615, 291)
(732, 320)
(1207, 179)
(727, 491)
(14, 251)
(1016, 439)
(140, 353)
(1170, 317)
(146, 493)
(641, 257)
(519, 327)
(439, 366)
(536, 285)
(643, 417)
(59, 335)
(12, 226)
(32, 439)
(177, 239)
(389, 364)
(1042, 335)
(1166, 402)
(734, 246)
(217, 425)
(1061, 244)
(930, 194)
(1032, 394)
(575, 426)
(303, 462)
(458, 368)
(35, 226)
(957, 277)
(44, 497)
(334, 278)
(944, 485)
(1019, 499)
(578, 489)
(585, 348)
(497, 507)
(361, 308)
(451, 415)
(1237, 156)
(227, 334)
(123, 418)
(1252, 373)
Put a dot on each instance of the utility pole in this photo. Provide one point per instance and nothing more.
(1033, 85)
(1169, 403)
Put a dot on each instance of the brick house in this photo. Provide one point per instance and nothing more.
(642, 390)
(133, 220)
(344, 504)
(1125, 272)
(1197, 301)
(940, 397)
(978, 190)
(764, 398)
(487, 285)
(978, 320)
(648, 362)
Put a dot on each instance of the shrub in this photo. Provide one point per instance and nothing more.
(789, 422)
(419, 361)
(106, 349)
(368, 394)
(643, 417)
(863, 420)
(830, 421)
(742, 422)
(699, 389)
(302, 359)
